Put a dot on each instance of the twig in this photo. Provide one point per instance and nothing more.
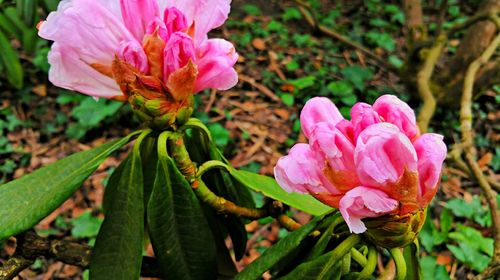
(262, 88)
(308, 15)
(423, 83)
(288, 222)
(470, 151)
(31, 246)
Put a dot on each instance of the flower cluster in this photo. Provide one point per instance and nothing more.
(153, 53)
(373, 165)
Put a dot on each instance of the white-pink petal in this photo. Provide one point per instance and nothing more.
(382, 153)
(69, 72)
(362, 202)
(317, 110)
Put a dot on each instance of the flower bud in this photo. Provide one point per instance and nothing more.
(375, 168)
(392, 231)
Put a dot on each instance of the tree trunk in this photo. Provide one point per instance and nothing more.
(474, 42)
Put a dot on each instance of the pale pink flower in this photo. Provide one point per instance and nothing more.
(373, 165)
(156, 37)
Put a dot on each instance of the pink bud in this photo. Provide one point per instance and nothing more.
(382, 154)
(317, 110)
(395, 111)
(363, 202)
(431, 152)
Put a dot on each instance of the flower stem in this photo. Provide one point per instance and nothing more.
(371, 264)
(400, 262)
(358, 257)
(341, 250)
(211, 164)
(225, 206)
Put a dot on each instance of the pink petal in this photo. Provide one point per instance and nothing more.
(89, 27)
(216, 58)
(133, 53)
(300, 171)
(178, 51)
(397, 112)
(382, 153)
(334, 145)
(362, 116)
(362, 202)
(204, 14)
(431, 153)
(316, 110)
(174, 20)
(70, 72)
(137, 15)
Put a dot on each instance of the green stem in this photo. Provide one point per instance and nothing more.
(346, 263)
(225, 206)
(210, 165)
(340, 251)
(358, 257)
(181, 156)
(196, 124)
(400, 262)
(370, 266)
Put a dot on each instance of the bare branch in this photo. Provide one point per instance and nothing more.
(470, 151)
(423, 83)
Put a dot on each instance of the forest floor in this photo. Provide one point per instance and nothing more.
(282, 63)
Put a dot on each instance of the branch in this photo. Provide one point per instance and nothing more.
(423, 83)
(31, 246)
(490, 15)
(305, 9)
(470, 151)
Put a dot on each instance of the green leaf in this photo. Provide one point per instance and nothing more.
(220, 134)
(431, 270)
(357, 75)
(11, 62)
(291, 13)
(381, 39)
(411, 256)
(85, 226)
(304, 82)
(179, 232)
(325, 266)
(288, 99)
(270, 188)
(90, 112)
(118, 248)
(340, 88)
(27, 200)
(201, 149)
(277, 252)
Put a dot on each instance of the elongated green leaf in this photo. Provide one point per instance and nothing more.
(10, 60)
(9, 28)
(118, 249)
(26, 9)
(277, 252)
(201, 150)
(413, 271)
(270, 188)
(27, 200)
(326, 266)
(179, 231)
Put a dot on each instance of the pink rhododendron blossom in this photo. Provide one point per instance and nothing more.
(95, 42)
(375, 164)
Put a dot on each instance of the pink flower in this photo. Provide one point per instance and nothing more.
(373, 165)
(156, 37)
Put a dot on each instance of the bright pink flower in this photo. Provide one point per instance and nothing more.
(157, 37)
(373, 165)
